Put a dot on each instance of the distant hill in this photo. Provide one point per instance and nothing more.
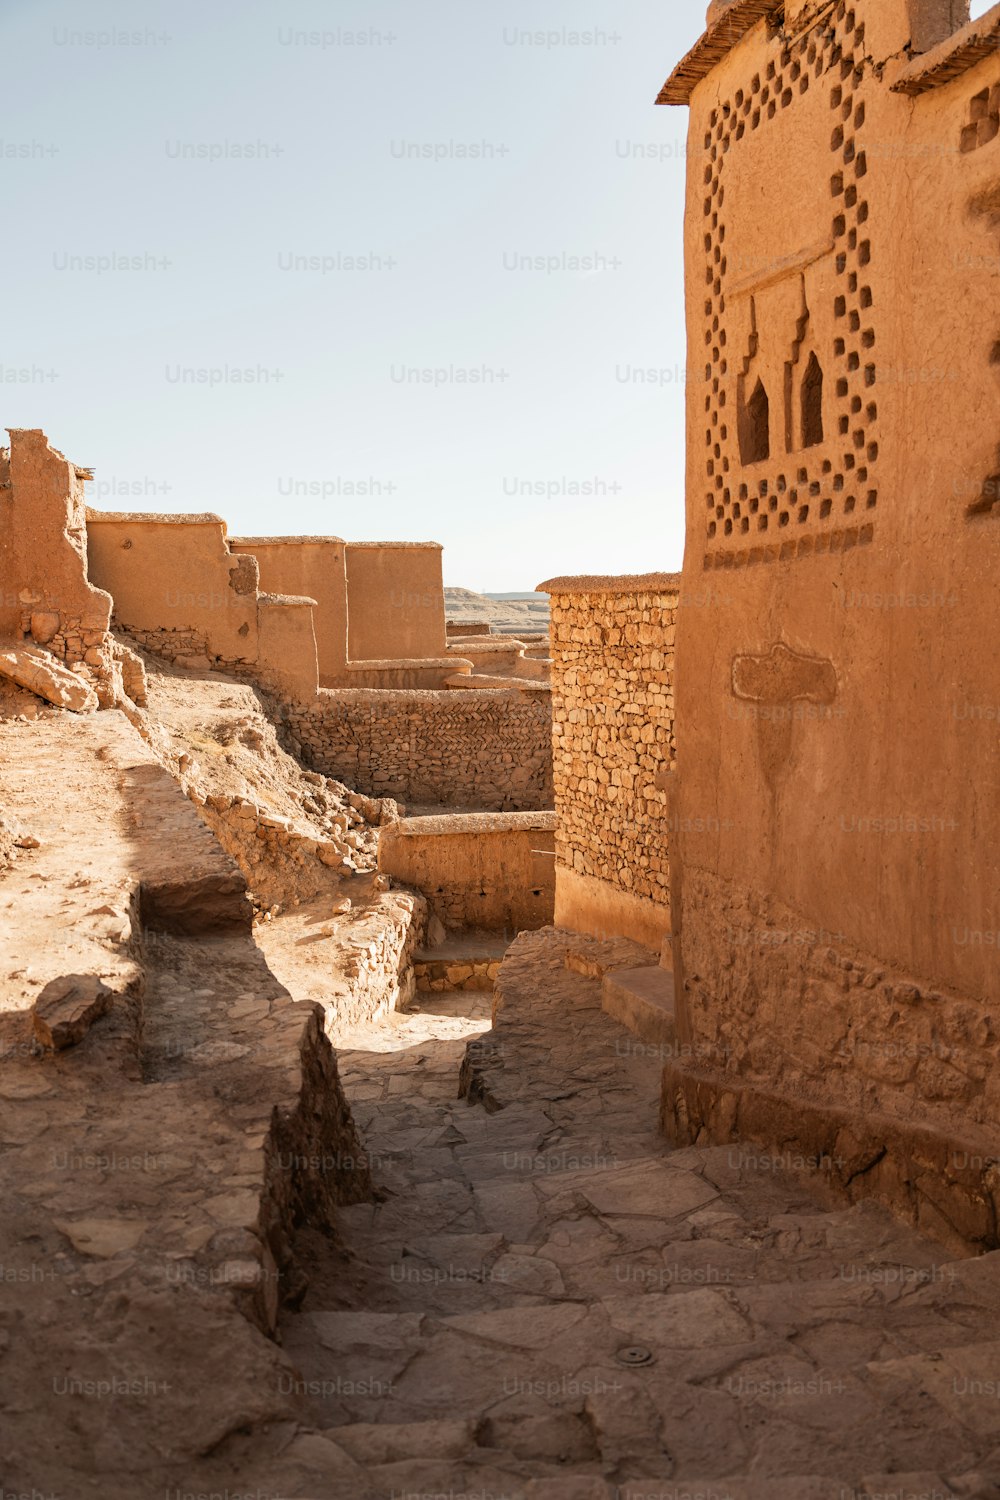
(507, 613)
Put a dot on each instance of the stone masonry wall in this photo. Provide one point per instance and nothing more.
(613, 728)
(477, 750)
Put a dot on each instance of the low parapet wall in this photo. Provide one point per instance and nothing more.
(490, 871)
(482, 750)
(613, 740)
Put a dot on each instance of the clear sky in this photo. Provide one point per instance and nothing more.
(153, 261)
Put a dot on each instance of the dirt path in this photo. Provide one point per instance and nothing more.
(547, 1302)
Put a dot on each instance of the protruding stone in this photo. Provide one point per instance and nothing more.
(67, 1008)
(40, 673)
(44, 625)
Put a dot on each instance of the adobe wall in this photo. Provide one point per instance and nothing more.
(485, 750)
(45, 593)
(395, 601)
(839, 844)
(488, 871)
(314, 567)
(613, 735)
(175, 576)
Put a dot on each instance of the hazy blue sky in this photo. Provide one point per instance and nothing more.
(124, 133)
(107, 151)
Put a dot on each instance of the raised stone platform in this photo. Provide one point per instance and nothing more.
(643, 1001)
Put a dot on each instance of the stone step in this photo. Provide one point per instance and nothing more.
(461, 962)
(592, 957)
(643, 1001)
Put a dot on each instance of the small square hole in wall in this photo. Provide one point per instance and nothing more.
(872, 499)
(825, 508)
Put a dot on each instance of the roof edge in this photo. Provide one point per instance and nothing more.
(627, 583)
(715, 44)
(952, 57)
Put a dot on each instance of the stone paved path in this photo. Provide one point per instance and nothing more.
(555, 1306)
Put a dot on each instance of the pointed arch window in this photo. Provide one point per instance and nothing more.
(755, 427)
(812, 403)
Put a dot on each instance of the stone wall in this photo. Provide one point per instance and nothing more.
(489, 751)
(395, 601)
(312, 567)
(176, 575)
(838, 826)
(489, 871)
(613, 737)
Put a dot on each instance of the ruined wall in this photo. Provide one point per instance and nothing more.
(839, 843)
(490, 871)
(472, 750)
(395, 601)
(45, 593)
(175, 575)
(613, 734)
(313, 567)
